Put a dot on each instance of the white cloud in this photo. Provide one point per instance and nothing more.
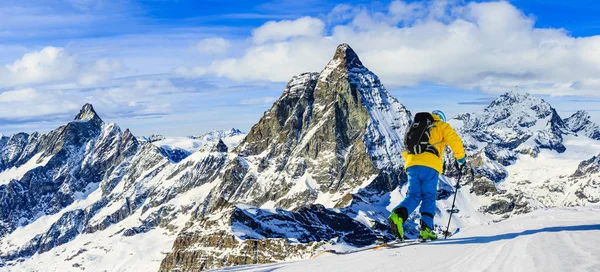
(273, 61)
(55, 65)
(28, 103)
(258, 101)
(100, 71)
(275, 31)
(491, 46)
(340, 13)
(47, 65)
(18, 95)
(401, 11)
(213, 46)
(130, 97)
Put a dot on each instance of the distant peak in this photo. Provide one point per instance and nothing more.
(217, 146)
(516, 97)
(235, 131)
(516, 94)
(581, 114)
(87, 113)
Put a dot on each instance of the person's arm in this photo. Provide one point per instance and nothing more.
(452, 139)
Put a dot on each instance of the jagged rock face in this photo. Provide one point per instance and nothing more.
(59, 164)
(260, 236)
(591, 166)
(329, 133)
(309, 224)
(580, 123)
(17, 150)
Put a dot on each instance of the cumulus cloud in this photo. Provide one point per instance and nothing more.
(47, 65)
(213, 46)
(275, 31)
(55, 65)
(490, 46)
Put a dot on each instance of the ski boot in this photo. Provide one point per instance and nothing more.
(427, 233)
(396, 219)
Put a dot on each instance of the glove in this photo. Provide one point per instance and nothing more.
(462, 161)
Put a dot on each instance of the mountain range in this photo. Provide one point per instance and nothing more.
(322, 166)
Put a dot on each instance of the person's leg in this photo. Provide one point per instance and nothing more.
(429, 177)
(408, 205)
(413, 197)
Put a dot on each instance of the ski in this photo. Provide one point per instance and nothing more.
(453, 233)
(396, 243)
(391, 244)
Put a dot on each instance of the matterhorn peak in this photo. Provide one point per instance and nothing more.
(87, 113)
(344, 60)
(345, 55)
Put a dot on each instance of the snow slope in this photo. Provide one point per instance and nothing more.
(559, 239)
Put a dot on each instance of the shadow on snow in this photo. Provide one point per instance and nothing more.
(508, 236)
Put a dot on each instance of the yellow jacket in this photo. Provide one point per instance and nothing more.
(442, 134)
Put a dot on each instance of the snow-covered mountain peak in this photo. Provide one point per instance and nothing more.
(343, 61)
(214, 146)
(520, 103)
(581, 123)
(87, 113)
(513, 112)
(587, 167)
(219, 134)
(581, 114)
(345, 55)
(154, 138)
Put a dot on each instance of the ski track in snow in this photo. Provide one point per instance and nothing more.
(559, 239)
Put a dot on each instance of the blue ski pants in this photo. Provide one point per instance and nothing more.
(422, 188)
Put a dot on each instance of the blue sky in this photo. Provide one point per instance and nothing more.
(187, 67)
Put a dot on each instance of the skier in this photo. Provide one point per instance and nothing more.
(423, 166)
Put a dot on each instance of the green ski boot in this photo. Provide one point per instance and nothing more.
(396, 220)
(427, 233)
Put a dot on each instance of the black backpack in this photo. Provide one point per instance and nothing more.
(416, 140)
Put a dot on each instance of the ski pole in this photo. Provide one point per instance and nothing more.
(454, 200)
